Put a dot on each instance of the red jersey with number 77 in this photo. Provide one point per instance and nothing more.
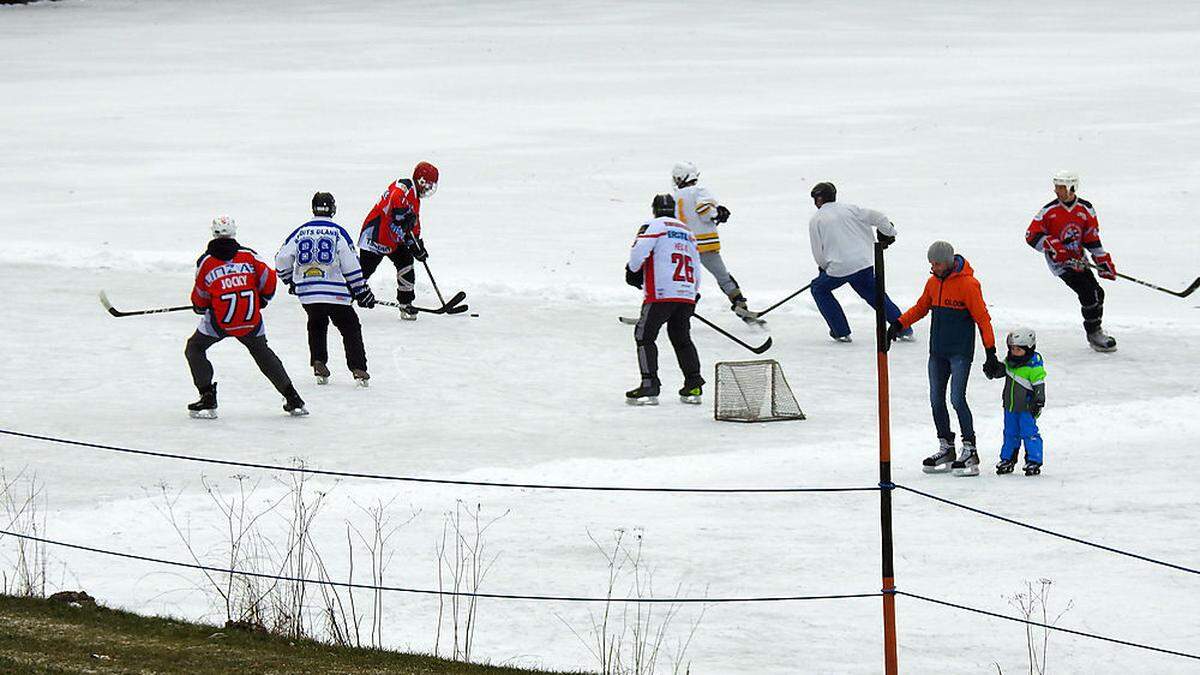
(234, 285)
(665, 251)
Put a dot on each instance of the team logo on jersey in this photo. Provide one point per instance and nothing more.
(314, 272)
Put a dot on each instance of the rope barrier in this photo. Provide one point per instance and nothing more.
(439, 481)
(426, 591)
(1043, 530)
(1047, 626)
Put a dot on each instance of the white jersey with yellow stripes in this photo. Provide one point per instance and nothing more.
(696, 208)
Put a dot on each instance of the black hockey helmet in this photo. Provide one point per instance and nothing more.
(663, 205)
(323, 204)
(825, 190)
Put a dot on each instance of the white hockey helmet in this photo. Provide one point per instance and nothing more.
(1067, 178)
(1022, 337)
(684, 173)
(223, 226)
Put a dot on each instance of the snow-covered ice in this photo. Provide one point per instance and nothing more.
(128, 125)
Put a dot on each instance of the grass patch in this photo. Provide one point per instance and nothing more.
(39, 636)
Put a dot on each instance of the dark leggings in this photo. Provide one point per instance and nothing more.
(268, 362)
(677, 316)
(345, 319)
(1091, 297)
(406, 276)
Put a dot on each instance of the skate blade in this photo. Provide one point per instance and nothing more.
(967, 472)
(644, 400)
(1004, 472)
(298, 412)
(690, 400)
(939, 468)
(362, 382)
(1103, 350)
(1033, 472)
(408, 317)
(322, 380)
(202, 414)
(907, 338)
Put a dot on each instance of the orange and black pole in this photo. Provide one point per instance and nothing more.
(890, 665)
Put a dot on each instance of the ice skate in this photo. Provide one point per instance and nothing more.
(967, 463)
(206, 407)
(1005, 466)
(642, 396)
(840, 338)
(1032, 468)
(1101, 341)
(907, 336)
(407, 313)
(361, 378)
(939, 462)
(321, 372)
(293, 404)
(690, 395)
(751, 318)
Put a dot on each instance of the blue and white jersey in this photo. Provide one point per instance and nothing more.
(320, 260)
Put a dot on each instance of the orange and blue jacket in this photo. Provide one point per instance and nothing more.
(957, 304)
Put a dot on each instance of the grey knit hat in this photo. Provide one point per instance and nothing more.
(941, 251)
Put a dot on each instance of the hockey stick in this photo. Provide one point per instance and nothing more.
(451, 307)
(757, 350)
(1179, 294)
(758, 315)
(158, 310)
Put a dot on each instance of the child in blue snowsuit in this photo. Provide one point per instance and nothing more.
(1024, 396)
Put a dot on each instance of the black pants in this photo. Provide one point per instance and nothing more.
(268, 362)
(406, 276)
(345, 319)
(678, 318)
(1091, 297)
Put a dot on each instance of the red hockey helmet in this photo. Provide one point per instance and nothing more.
(425, 177)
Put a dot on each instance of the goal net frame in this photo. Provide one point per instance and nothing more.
(780, 408)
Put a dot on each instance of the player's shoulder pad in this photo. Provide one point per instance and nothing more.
(1050, 204)
(1085, 202)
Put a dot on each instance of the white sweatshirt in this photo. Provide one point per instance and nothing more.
(843, 237)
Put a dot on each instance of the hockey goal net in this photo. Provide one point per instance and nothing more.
(754, 391)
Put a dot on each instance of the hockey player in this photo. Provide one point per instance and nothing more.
(393, 230)
(1024, 397)
(843, 244)
(698, 209)
(319, 264)
(955, 297)
(1063, 230)
(232, 287)
(663, 263)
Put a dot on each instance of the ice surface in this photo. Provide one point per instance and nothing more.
(128, 125)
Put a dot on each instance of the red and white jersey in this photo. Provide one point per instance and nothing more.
(233, 284)
(1074, 224)
(665, 251)
(379, 232)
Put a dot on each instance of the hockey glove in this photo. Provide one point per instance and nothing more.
(365, 298)
(1107, 269)
(1035, 408)
(894, 330)
(633, 278)
(1057, 251)
(992, 367)
(404, 220)
(291, 288)
(415, 247)
(722, 214)
(885, 240)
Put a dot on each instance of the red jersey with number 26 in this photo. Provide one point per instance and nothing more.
(665, 251)
(234, 289)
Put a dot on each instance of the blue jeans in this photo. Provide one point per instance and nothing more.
(863, 283)
(1021, 427)
(953, 370)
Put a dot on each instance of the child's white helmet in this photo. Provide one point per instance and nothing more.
(223, 226)
(1022, 337)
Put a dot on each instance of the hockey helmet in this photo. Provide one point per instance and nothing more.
(1022, 337)
(663, 205)
(684, 174)
(425, 177)
(224, 226)
(1067, 178)
(825, 190)
(323, 204)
